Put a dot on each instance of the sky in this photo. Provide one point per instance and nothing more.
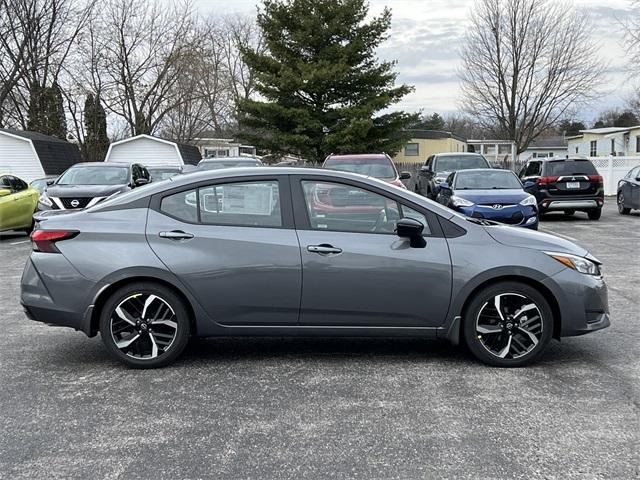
(426, 37)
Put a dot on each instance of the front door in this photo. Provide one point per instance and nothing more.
(234, 246)
(356, 271)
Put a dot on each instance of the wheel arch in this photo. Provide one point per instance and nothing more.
(104, 294)
(455, 335)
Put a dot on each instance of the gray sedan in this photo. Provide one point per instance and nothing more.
(259, 251)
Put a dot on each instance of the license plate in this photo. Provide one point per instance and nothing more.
(573, 184)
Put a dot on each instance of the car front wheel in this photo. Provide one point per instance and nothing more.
(508, 324)
(144, 325)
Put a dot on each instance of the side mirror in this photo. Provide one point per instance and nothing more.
(405, 175)
(4, 192)
(51, 182)
(425, 169)
(411, 229)
(141, 181)
(638, 179)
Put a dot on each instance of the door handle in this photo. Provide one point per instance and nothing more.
(176, 235)
(324, 249)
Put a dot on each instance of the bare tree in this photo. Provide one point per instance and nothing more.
(137, 47)
(631, 25)
(526, 63)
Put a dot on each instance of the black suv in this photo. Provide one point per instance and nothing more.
(564, 184)
(438, 167)
(86, 184)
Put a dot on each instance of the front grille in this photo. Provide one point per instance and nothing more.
(69, 202)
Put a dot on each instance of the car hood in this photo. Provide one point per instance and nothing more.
(522, 237)
(87, 191)
(513, 196)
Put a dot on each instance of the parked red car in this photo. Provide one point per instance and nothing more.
(378, 165)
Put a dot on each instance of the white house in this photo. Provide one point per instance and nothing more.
(212, 147)
(152, 151)
(598, 142)
(32, 155)
(555, 146)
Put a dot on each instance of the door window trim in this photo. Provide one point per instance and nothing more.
(301, 214)
(284, 192)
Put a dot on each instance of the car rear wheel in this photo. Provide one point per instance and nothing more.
(144, 325)
(595, 214)
(508, 324)
(621, 208)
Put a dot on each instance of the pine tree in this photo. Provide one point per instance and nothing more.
(322, 85)
(45, 113)
(432, 122)
(96, 142)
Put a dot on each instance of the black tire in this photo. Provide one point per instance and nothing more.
(622, 210)
(569, 212)
(540, 325)
(131, 296)
(594, 214)
(29, 229)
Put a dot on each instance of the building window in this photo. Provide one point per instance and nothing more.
(613, 146)
(576, 150)
(412, 149)
(594, 148)
(637, 144)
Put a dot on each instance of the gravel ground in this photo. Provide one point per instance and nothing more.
(320, 408)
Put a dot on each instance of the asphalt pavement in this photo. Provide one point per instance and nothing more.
(328, 408)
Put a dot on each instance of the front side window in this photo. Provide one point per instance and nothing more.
(5, 183)
(345, 208)
(412, 149)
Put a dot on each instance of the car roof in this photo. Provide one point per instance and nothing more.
(458, 154)
(357, 156)
(227, 159)
(557, 159)
(102, 164)
(483, 170)
(167, 165)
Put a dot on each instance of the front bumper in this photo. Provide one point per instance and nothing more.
(582, 300)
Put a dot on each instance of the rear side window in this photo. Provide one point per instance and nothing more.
(570, 167)
(250, 204)
(240, 204)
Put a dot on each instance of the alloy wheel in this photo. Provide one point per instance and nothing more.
(509, 325)
(621, 208)
(143, 326)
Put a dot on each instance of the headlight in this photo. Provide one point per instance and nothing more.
(580, 264)
(530, 200)
(460, 202)
(45, 200)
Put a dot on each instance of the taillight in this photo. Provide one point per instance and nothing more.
(596, 178)
(546, 180)
(45, 240)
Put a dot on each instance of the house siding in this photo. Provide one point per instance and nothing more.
(147, 151)
(429, 146)
(18, 158)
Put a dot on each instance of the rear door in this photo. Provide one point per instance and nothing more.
(233, 244)
(356, 271)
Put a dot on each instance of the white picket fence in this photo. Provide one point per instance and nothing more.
(613, 169)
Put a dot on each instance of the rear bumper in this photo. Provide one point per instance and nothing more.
(55, 293)
(571, 204)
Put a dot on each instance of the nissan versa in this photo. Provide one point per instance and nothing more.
(259, 251)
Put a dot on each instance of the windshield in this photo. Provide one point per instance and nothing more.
(98, 175)
(379, 167)
(451, 163)
(230, 164)
(158, 174)
(487, 180)
(570, 167)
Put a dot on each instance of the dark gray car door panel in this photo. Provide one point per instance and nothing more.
(240, 275)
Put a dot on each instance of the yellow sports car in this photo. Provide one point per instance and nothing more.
(18, 202)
